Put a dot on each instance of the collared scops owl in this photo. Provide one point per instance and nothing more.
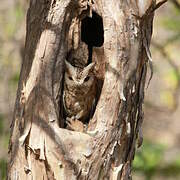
(79, 94)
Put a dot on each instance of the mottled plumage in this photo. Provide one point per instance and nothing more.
(79, 92)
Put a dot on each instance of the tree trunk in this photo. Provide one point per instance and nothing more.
(41, 146)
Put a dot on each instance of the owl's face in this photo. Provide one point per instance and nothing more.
(79, 77)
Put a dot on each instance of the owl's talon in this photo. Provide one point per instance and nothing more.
(69, 126)
(74, 125)
(69, 122)
(69, 119)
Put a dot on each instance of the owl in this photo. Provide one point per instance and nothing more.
(79, 95)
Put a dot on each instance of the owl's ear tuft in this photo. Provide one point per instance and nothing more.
(69, 68)
(88, 69)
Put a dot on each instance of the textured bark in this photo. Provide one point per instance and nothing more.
(40, 148)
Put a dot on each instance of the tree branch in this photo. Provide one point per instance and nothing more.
(176, 3)
(175, 68)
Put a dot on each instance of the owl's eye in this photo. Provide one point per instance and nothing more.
(86, 79)
(70, 78)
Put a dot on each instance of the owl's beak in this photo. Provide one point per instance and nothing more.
(80, 83)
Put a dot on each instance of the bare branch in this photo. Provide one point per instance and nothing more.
(175, 68)
(159, 4)
(176, 3)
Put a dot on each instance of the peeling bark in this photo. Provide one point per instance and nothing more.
(40, 146)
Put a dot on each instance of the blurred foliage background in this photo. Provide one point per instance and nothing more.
(159, 156)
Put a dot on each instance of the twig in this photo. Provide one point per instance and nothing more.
(159, 4)
(176, 70)
(176, 3)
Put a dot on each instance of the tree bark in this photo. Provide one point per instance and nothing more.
(40, 145)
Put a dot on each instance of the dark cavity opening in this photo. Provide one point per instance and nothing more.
(92, 32)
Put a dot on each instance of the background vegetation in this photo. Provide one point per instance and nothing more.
(159, 157)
